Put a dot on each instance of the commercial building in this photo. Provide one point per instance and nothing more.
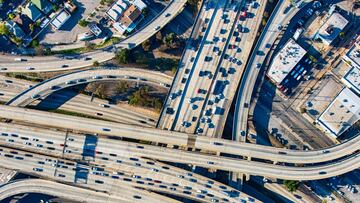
(285, 61)
(341, 113)
(331, 28)
(352, 78)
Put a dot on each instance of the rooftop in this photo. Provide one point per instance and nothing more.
(354, 54)
(332, 28)
(341, 113)
(285, 61)
(130, 15)
(352, 79)
(32, 11)
(60, 19)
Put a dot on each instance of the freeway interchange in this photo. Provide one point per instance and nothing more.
(99, 159)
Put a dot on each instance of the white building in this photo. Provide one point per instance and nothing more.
(331, 28)
(341, 113)
(60, 19)
(285, 61)
(117, 9)
(352, 78)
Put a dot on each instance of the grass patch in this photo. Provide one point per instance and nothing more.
(34, 77)
(72, 113)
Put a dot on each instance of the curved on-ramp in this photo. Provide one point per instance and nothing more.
(56, 189)
(333, 167)
(54, 63)
(49, 86)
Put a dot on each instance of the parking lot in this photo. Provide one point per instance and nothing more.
(69, 32)
(299, 73)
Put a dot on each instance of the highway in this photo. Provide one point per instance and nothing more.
(57, 189)
(57, 83)
(310, 172)
(116, 156)
(239, 47)
(195, 78)
(267, 37)
(57, 63)
(69, 100)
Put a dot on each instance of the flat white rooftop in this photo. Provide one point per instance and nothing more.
(285, 61)
(60, 19)
(352, 79)
(332, 28)
(341, 113)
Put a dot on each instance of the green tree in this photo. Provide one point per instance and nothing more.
(146, 45)
(169, 39)
(100, 91)
(31, 27)
(123, 56)
(40, 50)
(302, 110)
(3, 29)
(83, 23)
(291, 185)
(34, 43)
(11, 16)
(122, 87)
(96, 63)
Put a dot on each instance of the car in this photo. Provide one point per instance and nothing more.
(211, 162)
(99, 181)
(157, 28)
(180, 176)
(199, 130)
(39, 145)
(96, 77)
(3, 68)
(167, 15)
(218, 143)
(8, 81)
(27, 143)
(38, 169)
(155, 170)
(279, 27)
(30, 68)
(35, 96)
(64, 66)
(187, 192)
(106, 129)
(137, 197)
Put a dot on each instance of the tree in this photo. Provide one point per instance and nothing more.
(34, 43)
(40, 50)
(169, 39)
(145, 12)
(31, 27)
(123, 56)
(83, 23)
(146, 45)
(302, 110)
(96, 63)
(291, 185)
(100, 91)
(3, 29)
(11, 16)
(122, 87)
(158, 36)
(89, 45)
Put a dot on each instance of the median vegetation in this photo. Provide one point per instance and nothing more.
(291, 185)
